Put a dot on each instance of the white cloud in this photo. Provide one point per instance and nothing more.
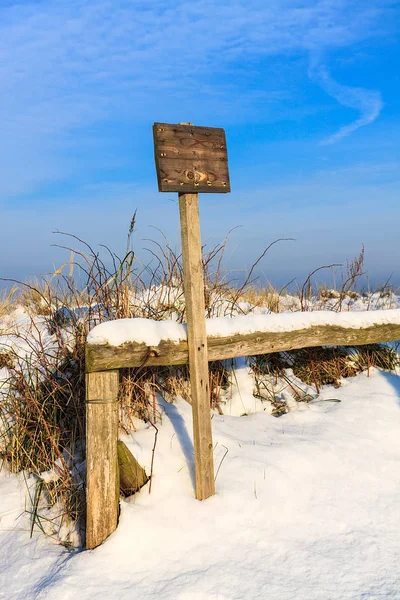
(367, 102)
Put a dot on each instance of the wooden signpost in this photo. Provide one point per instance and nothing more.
(190, 160)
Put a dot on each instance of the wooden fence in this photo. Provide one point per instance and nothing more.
(102, 381)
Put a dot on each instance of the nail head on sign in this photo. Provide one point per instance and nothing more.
(186, 154)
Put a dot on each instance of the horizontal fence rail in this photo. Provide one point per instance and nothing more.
(134, 354)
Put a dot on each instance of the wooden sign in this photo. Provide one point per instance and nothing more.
(191, 159)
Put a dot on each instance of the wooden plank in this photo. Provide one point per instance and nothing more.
(197, 344)
(102, 473)
(200, 176)
(100, 358)
(191, 159)
(186, 143)
(169, 150)
(186, 131)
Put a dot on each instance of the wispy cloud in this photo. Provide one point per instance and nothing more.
(368, 103)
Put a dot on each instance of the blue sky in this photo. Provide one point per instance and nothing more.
(308, 93)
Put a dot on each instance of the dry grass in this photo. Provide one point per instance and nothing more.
(381, 356)
(267, 297)
(42, 426)
(43, 408)
(322, 366)
(7, 301)
(316, 367)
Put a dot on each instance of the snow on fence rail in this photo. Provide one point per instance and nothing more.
(135, 342)
(131, 342)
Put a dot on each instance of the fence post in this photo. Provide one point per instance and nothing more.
(102, 474)
(193, 282)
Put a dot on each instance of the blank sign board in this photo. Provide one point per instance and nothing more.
(191, 159)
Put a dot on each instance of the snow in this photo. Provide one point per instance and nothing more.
(239, 397)
(306, 509)
(152, 332)
(139, 330)
(24, 336)
(285, 322)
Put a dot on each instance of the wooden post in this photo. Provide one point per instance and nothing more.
(102, 474)
(197, 344)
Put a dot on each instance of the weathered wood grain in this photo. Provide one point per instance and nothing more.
(187, 131)
(176, 173)
(171, 150)
(102, 473)
(186, 144)
(193, 284)
(169, 353)
(190, 158)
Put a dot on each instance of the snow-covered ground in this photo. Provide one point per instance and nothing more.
(307, 508)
